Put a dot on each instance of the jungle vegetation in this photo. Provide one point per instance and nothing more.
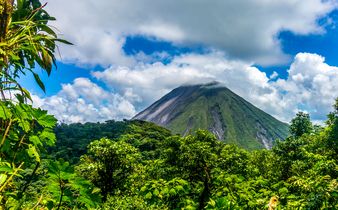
(135, 164)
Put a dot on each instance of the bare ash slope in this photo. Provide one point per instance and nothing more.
(217, 109)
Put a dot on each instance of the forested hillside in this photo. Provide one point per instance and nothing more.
(73, 139)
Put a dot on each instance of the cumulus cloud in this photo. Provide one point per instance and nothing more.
(243, 29)
(312, 85)
(151, 81)
(85, 101)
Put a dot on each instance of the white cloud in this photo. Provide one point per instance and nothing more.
(312, 85)
(241, 28)
(84, 101)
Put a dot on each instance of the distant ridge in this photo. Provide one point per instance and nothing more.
(214, 107)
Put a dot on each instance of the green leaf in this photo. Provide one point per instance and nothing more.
(24, 124)
(35, 140)
(212, 203)
(165, 191)
(3, 178)
(40, 83)
(5, 113)
(96, 190)
(48, 136)
(7, 169)
(156, 192)
(22, 113)
(32, 152)
(172, 192)
(148, 195)
(48, 30)
(45, 120)
(143, 189)
(63, 41)
(179, 188)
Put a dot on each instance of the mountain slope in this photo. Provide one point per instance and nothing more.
(219, 110)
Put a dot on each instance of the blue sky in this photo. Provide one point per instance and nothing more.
(325, 44)
(285, 53)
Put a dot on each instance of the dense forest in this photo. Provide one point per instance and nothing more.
(139, 165)
(136, 164)
(200, 172)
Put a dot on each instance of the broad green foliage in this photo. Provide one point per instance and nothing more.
(67, 189)
(54, 185)
(25, 132)
(25, 128)
(26, 179)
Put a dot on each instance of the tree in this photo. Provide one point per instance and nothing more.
(333, 127)
(108, 165)
(194, 158)
(26, 39)
(300, 125)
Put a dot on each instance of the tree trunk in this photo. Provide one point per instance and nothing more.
(206, 190)
(6, 10)
(30, 179)
(6, 13)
